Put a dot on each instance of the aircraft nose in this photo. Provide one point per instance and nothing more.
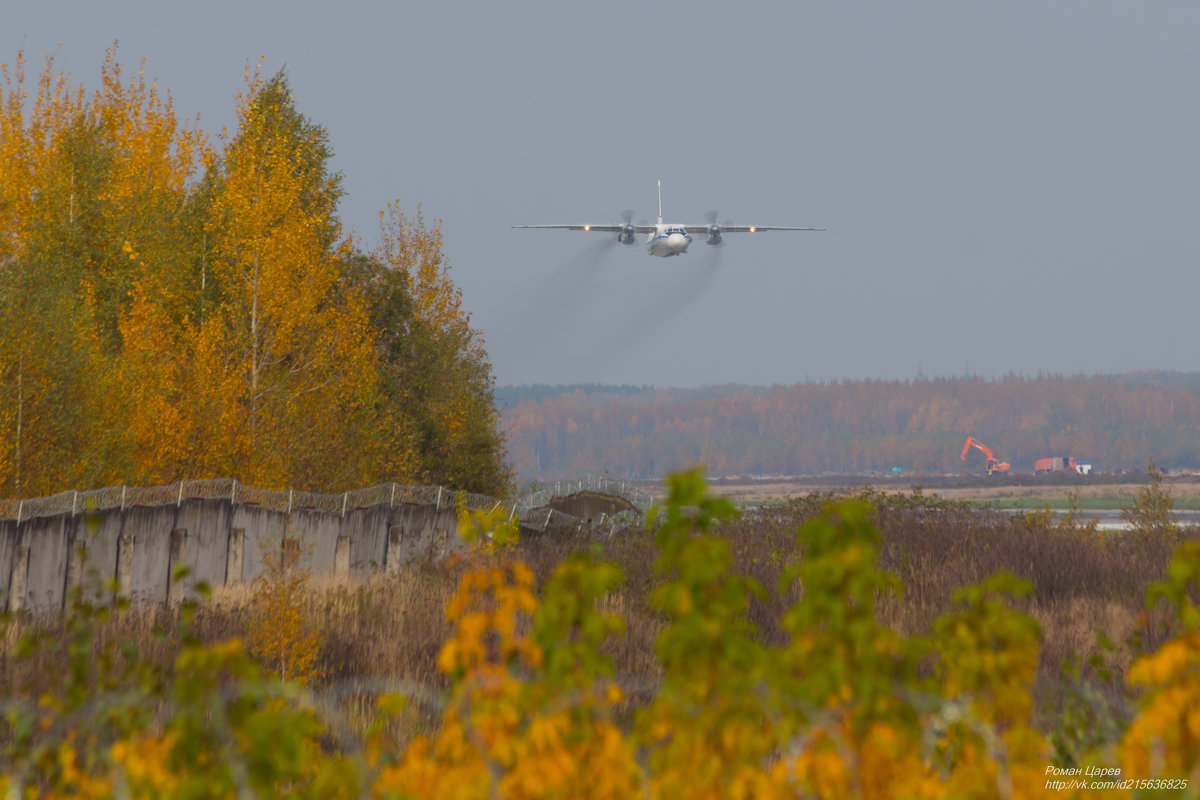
(677, 241)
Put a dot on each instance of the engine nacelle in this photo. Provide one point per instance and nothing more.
(626, 236)
(714, 235)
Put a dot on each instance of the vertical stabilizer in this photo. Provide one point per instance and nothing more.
(660, 202)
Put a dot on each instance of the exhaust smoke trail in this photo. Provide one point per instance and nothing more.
(667, 300)
(595, 318)
(551, 306)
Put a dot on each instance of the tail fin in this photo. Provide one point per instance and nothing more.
(660, 202)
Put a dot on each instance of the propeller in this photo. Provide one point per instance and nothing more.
(714, 229)
(628, 231)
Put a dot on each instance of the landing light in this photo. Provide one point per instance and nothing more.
(753, 229)
(587, 227)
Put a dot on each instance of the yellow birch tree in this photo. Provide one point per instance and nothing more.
(93, 192)
(143, 280)
(297, 341)
(45, 158)
(439, 370)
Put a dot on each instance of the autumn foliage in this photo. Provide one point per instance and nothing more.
(177, 307)
(282, 637)
(842, 706)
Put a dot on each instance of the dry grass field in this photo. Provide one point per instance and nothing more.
(390, 627)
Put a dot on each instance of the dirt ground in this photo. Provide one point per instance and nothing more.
(952, 487)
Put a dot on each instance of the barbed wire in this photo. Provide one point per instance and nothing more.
(591, 483)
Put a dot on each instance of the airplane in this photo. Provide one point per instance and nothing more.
(665, 239)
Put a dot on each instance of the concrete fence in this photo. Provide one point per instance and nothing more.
(132, 541)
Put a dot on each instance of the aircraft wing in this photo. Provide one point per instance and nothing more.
(601, 228)
(702, 229)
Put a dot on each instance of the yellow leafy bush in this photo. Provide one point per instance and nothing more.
(1164, 740)
(282, 635)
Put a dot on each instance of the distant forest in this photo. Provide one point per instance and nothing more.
(1116, 422)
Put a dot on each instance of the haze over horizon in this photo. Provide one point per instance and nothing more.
(918, 376)
(1006, 189)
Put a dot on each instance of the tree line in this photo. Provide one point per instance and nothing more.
(178, 306)
(1115, 422)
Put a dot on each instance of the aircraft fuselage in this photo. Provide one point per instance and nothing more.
(668, 240)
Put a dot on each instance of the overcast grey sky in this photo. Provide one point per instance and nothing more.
(1007, 187)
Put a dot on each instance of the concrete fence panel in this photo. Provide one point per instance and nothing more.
(206, 546)
(48, 546)
(146, 545)
(446, 535)
(236, 549)
(262, 530)
(317, 534)
(367, 531)
(94, 545)
(222, 531)
(8, 547)
(412, 528)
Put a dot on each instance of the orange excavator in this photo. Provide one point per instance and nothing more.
(992, 464)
